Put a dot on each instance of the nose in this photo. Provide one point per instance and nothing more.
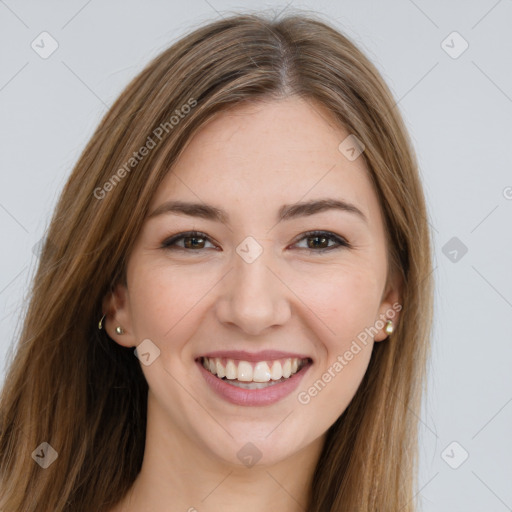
(253, 296)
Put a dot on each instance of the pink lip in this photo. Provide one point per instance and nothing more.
(264, 355)
(252, 397)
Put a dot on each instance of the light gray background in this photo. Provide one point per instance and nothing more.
(458, 111)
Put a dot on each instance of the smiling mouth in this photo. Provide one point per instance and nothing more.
(254, 375)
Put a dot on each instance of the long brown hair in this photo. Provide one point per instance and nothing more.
(72, 387)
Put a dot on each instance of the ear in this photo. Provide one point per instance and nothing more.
(116, 307)
(390, 306)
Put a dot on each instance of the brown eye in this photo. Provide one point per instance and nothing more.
(318, 241)
(194, 242)
(191, 240)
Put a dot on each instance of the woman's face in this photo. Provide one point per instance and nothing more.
(253, 295)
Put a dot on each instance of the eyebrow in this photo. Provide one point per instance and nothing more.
(286, 212)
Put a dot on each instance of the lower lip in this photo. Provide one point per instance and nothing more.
(252, 397)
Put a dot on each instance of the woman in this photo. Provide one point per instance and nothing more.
(233, 304)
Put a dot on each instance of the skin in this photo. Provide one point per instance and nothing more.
(250, 161)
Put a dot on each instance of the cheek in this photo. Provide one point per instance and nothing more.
(345, 301)
(165, 303)
(153, 301)
(344, 297)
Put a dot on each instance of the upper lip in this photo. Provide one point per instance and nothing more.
(264, 355)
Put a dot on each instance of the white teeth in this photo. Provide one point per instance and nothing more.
(221, 372)
(287, 368)
(231, 370)
(260, 372)
(244, 371)
(277, 371)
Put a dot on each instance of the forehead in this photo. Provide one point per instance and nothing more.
(269, 153)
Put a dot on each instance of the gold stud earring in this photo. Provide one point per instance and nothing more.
(389, 327)
(119, 330)
(100, 323)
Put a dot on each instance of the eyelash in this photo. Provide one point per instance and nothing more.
(169, 243)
